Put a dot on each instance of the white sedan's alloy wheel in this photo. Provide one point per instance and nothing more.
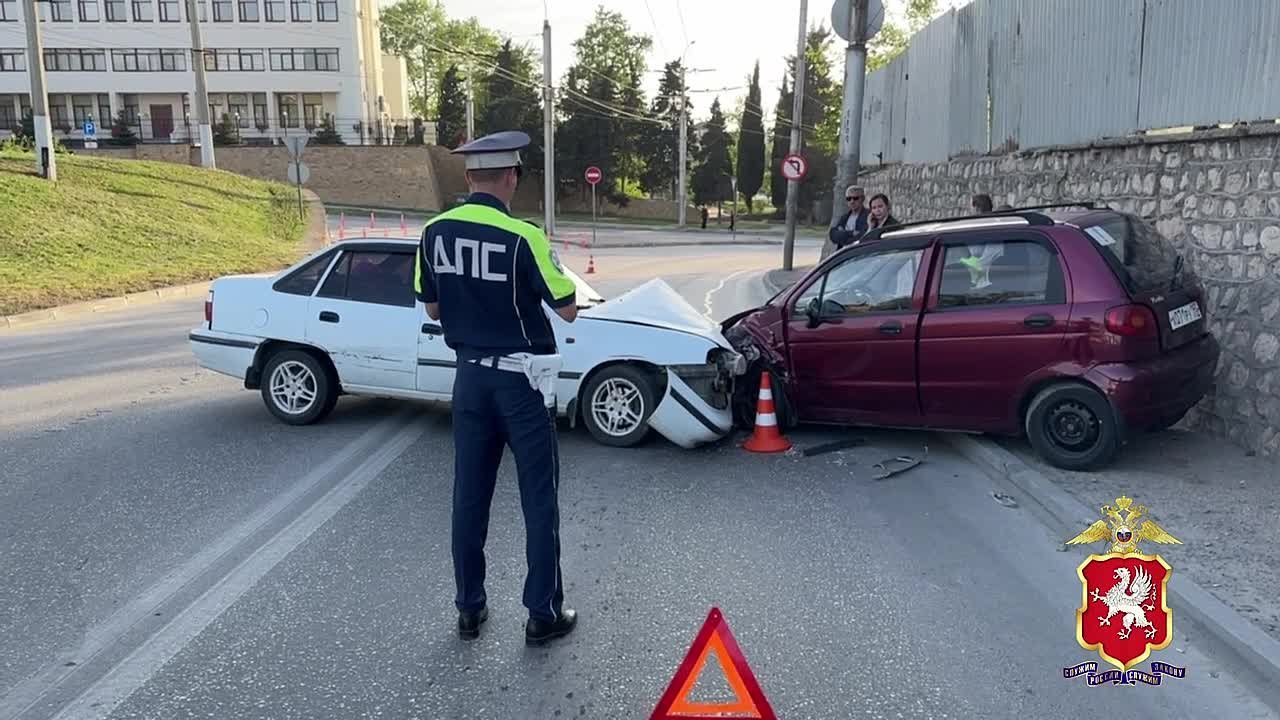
(617, 406)
(293, 387)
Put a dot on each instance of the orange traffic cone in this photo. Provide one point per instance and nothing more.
(591, 265)
(766, 438)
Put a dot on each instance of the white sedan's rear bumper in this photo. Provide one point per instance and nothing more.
(684, 418)
(226, 353)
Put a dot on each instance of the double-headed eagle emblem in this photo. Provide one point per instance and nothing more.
(1123, 534)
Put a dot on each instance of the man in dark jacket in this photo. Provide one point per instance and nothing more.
(853, 223)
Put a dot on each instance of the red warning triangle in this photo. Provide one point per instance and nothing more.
(749, 703)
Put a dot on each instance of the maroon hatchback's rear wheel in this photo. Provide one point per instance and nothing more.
(1072, 427)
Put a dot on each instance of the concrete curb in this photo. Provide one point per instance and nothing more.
(1241, 643)
(89, 307)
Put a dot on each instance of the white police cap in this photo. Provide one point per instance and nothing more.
(498, 150)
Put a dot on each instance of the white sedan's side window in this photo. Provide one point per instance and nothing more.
(381, 278)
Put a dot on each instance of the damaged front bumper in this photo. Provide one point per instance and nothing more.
(697, 406)
(686, 418)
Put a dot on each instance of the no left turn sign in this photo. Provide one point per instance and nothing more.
(794, 167)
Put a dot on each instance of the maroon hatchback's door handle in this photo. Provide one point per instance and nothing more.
(1038, 321)
(892, 327)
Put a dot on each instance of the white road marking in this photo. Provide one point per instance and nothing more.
(100, 699)
(140, 665)
(706, 301)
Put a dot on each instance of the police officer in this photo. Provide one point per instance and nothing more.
(485, 276)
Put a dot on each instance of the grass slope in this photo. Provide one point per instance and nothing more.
(109, 227)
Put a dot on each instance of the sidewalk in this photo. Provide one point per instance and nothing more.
(1221, 503)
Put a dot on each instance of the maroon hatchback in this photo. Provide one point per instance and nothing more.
(1074, 327)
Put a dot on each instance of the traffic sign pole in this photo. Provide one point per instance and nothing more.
(593, 176)
(797, 118)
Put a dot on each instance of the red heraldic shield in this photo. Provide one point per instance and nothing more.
(1123, 614)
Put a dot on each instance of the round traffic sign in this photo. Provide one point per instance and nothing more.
(593, 174)
(794, 167)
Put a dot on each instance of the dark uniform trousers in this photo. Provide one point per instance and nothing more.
(492, 408)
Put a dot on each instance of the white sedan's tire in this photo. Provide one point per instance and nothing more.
(617, 403)
(297, 387)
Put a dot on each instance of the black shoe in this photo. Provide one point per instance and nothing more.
(540, 632)
(469, 623)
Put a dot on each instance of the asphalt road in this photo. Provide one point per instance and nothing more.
(169, 550)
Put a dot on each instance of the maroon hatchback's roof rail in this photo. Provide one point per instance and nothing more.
(1032, 218)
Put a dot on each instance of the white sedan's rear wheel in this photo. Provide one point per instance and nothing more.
(617, 403)
(297, 388)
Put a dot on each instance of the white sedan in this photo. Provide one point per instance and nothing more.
(345, 321)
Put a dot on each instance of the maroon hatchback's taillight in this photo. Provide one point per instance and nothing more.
(208, 310)
(1132, 321)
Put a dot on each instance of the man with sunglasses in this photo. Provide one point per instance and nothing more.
(485, 276)
(852, 225)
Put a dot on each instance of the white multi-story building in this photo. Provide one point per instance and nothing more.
(273, 67)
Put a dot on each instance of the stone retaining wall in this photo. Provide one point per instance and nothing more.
(1215, 194)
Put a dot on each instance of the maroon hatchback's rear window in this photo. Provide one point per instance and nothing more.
(1144, 259)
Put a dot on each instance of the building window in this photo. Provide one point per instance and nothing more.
(312, 110)
(301, 10)
(75, 60)
(58, 113)
(13, 60)
(238, 108)
(260, 111)
(89, 11)
(130, 109)
(173, 60)
(275, 11)
(288, 111)
(304, 59)
(204, 10)
(104, 109)
(55, 10)
(143, 11)
(9, 11)
(115, 10)
(249, 11)
(222, 11)
(169, 11)
(82, 107)
(233, 60)
(8, 118)
(327, 10)
(135, 60)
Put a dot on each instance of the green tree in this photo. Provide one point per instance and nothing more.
(751, 144)
(225, 131)
(513, 101)
(603, 105)
(451, 125)
(820, 120)
(430, 42)
(660, 141)
(781, 146)
(892, 39)
(712, 177)
(328, 133)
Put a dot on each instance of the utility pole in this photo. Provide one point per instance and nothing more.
(548, 135)
(46, 164)
(855, 68)
(797, 119)
(684, 147)
(202, 88)
(471, 108)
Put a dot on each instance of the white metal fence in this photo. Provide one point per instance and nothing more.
(998, 75)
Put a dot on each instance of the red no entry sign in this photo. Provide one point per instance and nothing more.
(593, 174)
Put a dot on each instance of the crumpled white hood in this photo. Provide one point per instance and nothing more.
(655, 303)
